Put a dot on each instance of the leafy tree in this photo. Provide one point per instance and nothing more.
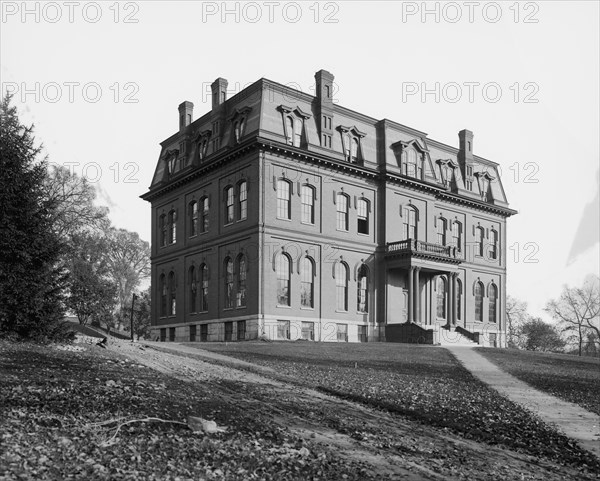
(73, 197)
(578, 309)
(516, 317)
(31, 275)
(541, 336)
(128, 261)
(93, 293)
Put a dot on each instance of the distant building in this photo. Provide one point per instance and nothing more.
(287, 216)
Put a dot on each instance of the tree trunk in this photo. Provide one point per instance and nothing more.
(580, 340)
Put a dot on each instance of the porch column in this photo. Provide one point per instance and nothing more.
(450, 303)
(417, 304)
(410, 294)
(454, 305)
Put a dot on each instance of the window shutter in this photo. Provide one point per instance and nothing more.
(291, 188)
(299, 188)
(473, 231)
(369, 207)
(400, 210)
(315, 194)
(274, 183)
(435, 222)
(487, 233)
(355, 202)
(334, 197)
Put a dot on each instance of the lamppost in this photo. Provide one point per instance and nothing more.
(131, 319)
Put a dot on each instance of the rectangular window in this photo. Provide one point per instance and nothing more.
(342, 332)
(193, 219)
(362, 334)
(362, 210)
(204, 219)
(441, 232)
(229, 205)
(243, 213)
(308, 204)
(456, 235)
(342, 212)
(241, 330)
(283, 199)
(192, 333)
(163, 334)
(283, 329)
(171, 334)
(228, 331)
(308, 331)
(203, 332)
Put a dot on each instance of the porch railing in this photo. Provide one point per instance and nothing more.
(418, 246)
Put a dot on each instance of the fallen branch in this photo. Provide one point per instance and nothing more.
(110, 440)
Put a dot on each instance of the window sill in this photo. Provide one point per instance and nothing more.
(228, 308)
(307, 223)
(241, 307)
(307, 308)
(284, 307)
(228, 224)
(363, 234)
(342, 230)
(284, 219)
(341, 312)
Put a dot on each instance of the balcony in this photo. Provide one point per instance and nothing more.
(423, 250)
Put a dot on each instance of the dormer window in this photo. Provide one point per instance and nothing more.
(293, 124)
(203, 140)
(484, 181)
(351, 143)
(447, 172)
(171, 160)
(238, 121)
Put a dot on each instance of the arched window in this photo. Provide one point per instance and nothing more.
(283, 199)
(193, 288)
(204, 214)
(459, 291)
(457, 235)
(308, 204)
(193, 208)
(342, 211)
(362, 212)
(283, 279)
(493, 244)
(172, 227)
(289, 129)
(479, 301)
(162, 223)
(479, 236)
(410, 222)
(341, 286)
(229, 205)
(241, 281)
(172, 295)
(162, 287)
(353, 141)
(441, 298)
(412, 163)
(307, 273)
(441, 231)
(298, 133)
(238, 128)
(242, 200)
(492, 296)
(363, 289)
(228, 264)
(203, 288)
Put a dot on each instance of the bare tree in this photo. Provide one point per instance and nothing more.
(128, 259)
(74, 198)
(578, 309)
(516, 317)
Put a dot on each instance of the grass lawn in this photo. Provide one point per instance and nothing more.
(571, 378)
(420, 382)
(51, 398)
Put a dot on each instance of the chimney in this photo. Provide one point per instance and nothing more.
(186, 112)
(219, 92)
(465, 156)
(324, 91)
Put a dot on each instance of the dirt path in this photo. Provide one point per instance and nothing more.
(394, 447)
(574, 421)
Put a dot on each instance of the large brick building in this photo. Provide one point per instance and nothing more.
(285, 215)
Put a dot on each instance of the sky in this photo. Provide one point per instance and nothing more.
(101, 82)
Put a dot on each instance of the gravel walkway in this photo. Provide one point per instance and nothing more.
(574, 421)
